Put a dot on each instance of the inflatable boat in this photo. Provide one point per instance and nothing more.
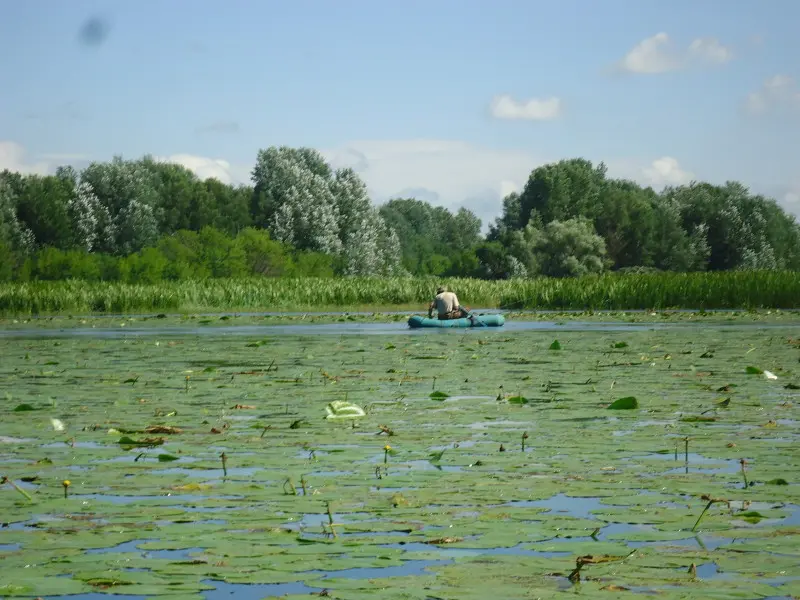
(494, 320)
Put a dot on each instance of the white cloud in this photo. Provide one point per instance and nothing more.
(709, 50)
(657, 174)
(666, 171)
(651, 55)
(508, 187)
(790, 198)
(657, 54)
(779, 91)
(453, 172)
(534, 109)
(205, 168)
(13, 157)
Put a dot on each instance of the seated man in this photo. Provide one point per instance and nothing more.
(446, 305)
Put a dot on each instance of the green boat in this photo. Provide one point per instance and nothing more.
(494, 320)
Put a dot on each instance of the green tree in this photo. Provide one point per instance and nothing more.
(42, 206)
(302, 203)
(263, 255)
(568, 248)
(13, 234)
(561, 191)
(129, 191)
(425, 231)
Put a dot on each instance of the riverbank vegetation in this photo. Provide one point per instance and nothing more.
(144, 221)
(724, 290)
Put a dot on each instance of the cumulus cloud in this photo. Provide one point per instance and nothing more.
(205, 168)
(14, 158)
(658, 54)
(451, 172)
(657, 174)
(666, 171)
(789, 198)
(777, 92)
(533, 109)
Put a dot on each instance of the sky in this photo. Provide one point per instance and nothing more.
(452, 101)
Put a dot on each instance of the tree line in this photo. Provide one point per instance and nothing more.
(145, 220)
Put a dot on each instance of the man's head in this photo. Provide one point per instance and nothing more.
(441, 289)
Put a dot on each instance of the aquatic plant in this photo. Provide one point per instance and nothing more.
(153, 508)
(727, 289)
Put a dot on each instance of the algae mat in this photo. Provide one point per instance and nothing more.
(514, 465)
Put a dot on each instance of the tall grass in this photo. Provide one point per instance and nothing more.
(736, 289)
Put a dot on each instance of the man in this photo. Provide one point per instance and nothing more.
(446, 305)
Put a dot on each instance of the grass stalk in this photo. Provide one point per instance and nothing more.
(610, 291)
(330, 519)
(19, 489)
(711, 502)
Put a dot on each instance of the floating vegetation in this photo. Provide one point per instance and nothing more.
(340, 409)
(227, 463)
(626, 403)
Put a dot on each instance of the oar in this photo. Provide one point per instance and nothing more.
(473, 318)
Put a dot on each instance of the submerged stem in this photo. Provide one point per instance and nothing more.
(701, 514)
(686, 452)
(16, 487)
(330, 518)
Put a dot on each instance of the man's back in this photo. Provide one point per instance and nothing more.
(446, 302)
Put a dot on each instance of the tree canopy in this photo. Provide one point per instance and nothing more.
(143, 219)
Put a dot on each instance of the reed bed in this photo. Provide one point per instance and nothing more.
(720, 290)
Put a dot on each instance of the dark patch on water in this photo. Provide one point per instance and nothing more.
(10, 547)
(446, 550)
(331, 473)
(253, 591)
(232, 472)
(409, 567)
(258, 591)
(794, 517)
(709, 465)
(166, 522)
(193, 508)
(80, 445)
(4, 439)
(93, 596)
(711, 571)
(622, 528)
(562, 504)
(319, 519)
(133, 546)
(168, 498)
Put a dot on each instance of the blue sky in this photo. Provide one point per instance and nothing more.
(455, 100)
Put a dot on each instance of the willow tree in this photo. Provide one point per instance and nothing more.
(303, 202)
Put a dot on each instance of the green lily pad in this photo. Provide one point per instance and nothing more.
(626, 403)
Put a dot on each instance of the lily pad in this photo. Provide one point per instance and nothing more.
(626, 403)
(340, 409)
